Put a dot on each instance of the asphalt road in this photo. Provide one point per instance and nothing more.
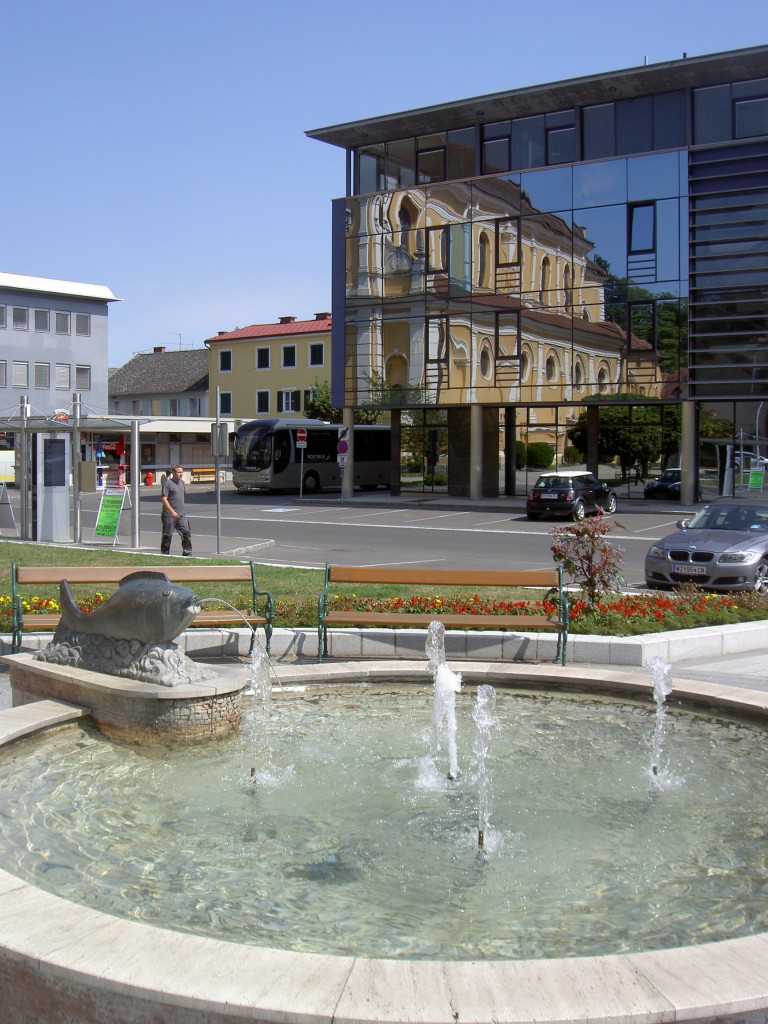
(415, 530)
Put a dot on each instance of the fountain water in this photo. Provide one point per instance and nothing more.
(662, 687)
(484, 717)
(447, 685)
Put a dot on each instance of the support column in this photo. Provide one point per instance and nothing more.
(395, 444)
(689, 477)
(348, 481)
(475, 452)
(593, 422)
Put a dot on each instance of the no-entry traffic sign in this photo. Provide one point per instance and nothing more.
(301, 437)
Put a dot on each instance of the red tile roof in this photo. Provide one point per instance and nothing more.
(318, 325)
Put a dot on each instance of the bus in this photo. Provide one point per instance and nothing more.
(266, 457)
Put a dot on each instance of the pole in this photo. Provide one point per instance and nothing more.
(216, 459)
(135, 485)
(24, 467)
(78, 502)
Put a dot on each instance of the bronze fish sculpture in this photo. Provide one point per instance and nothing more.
(145, 607)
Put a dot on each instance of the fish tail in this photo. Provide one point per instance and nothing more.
(71, 615)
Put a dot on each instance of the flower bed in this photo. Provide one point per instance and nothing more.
(613, 615)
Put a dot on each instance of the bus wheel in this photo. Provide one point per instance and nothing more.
(311, 483)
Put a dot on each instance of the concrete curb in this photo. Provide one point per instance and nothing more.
(471, 645)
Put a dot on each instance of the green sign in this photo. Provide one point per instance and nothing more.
(110, 508)
(756, 479)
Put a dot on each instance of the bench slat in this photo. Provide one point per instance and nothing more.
(451, 621)
(443, 577)
(40, 574)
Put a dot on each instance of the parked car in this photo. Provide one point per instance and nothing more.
(569, 493)
(723, 547)
(665, 486)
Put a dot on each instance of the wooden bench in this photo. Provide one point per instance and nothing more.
(470, 578)
(203, 475)
(242, 572)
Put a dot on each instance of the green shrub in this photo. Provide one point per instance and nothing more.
(572, 455)
(539, 455)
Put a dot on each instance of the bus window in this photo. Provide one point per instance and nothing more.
(282, 450)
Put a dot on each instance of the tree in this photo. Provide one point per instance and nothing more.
(633, 433)
(319, 405)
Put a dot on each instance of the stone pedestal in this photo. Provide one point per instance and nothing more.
(134, 711)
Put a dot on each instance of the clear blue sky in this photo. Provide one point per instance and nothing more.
(158, 148)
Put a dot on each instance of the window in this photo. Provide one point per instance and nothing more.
(225, 403)
(461, 153)
(20, 318)
(750, 118)
(262, 401)
(83, 325)
(316, 354)
(437, 249)
(544, 277)
(288, 400)
(598, 124)
(62, 322)
(42, 320)
(495, 147)
(642, 227)
(173, 407)
(19, 374)
(62, 376)
(550, 369)
(193, 405)
(42, 375)
(507, 235)
(82, 378)
(289, 356)
(430, 158)
(225, 360)
(486, 362)
(3, 373)
(262, 358)
(2, 316)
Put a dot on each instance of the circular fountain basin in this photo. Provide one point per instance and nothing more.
(208, 979)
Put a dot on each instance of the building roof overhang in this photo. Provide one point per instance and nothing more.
(649, 79)
(51, 286)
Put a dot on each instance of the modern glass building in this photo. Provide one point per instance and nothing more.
(539, 264)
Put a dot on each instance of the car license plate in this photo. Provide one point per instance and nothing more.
(549, 496)
(690, 570)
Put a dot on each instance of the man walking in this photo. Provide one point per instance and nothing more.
(174, 516)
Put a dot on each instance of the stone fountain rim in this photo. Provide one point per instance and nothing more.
(67, 951)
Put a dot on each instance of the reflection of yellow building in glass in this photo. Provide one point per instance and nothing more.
(270, 369)
(464, 292)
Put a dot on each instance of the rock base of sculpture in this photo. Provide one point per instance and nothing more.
(162, 664)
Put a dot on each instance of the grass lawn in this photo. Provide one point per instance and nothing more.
(296, 592)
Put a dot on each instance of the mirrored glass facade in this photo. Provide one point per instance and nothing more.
(513, 253)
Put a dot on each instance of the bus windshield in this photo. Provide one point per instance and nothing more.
(253, 448)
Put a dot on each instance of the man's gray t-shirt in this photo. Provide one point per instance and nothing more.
(174, 492)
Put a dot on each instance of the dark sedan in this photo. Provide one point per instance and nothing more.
(569, 494)
(665, 486)
(723, 547)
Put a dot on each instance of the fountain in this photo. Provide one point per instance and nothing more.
(60, 956)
